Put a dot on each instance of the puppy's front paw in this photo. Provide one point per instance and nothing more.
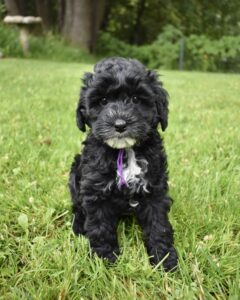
(112, 257)
(169, 263)
(107, 253)
(77, 227)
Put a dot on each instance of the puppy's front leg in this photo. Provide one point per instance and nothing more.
(101, 229)
(158, 232)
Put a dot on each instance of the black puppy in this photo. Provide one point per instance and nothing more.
(123, 168)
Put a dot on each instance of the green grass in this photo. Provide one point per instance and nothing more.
(39, 255)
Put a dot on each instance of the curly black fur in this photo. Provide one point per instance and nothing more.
(122, 89)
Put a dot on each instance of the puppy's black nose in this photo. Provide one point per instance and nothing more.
(120, 125)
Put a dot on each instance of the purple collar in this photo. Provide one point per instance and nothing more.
(122, 180)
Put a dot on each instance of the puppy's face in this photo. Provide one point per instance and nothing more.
(121, 109)
(119, 102)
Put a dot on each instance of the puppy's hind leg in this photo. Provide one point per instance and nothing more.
(74, 186)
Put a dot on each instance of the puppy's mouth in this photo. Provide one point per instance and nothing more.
(120, 142)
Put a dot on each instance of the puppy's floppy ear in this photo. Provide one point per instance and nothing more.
(162, 107)
(81, 112)
(161, 100)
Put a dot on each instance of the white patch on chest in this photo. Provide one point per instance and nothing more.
(120, 143)
(134, 172)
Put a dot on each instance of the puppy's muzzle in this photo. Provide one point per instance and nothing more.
(120, 125)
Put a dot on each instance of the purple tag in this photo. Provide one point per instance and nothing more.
(122, 180)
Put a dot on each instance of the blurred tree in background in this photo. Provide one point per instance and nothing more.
(76, 20)
(150, 30)
(141, 21)
(133, 21)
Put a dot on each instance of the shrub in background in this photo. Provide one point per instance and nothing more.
(201, 53)
(164, 52)
(229, 53)
(111, 46)
(213, 55)
(9, 41)
(49, 46)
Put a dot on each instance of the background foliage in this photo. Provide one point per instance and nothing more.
(201, 52)
(141, 21)
(149, 30)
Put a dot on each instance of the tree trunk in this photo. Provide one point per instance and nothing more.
(98, 8)
(106, 15)
(136, 38)
(61, 14)
(16, 7)
(81, 21)
(12, 7)
(44, 8)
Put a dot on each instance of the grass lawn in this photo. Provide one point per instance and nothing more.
(40, 257)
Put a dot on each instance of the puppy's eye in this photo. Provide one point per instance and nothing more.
(135, 99)
(104, 101)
